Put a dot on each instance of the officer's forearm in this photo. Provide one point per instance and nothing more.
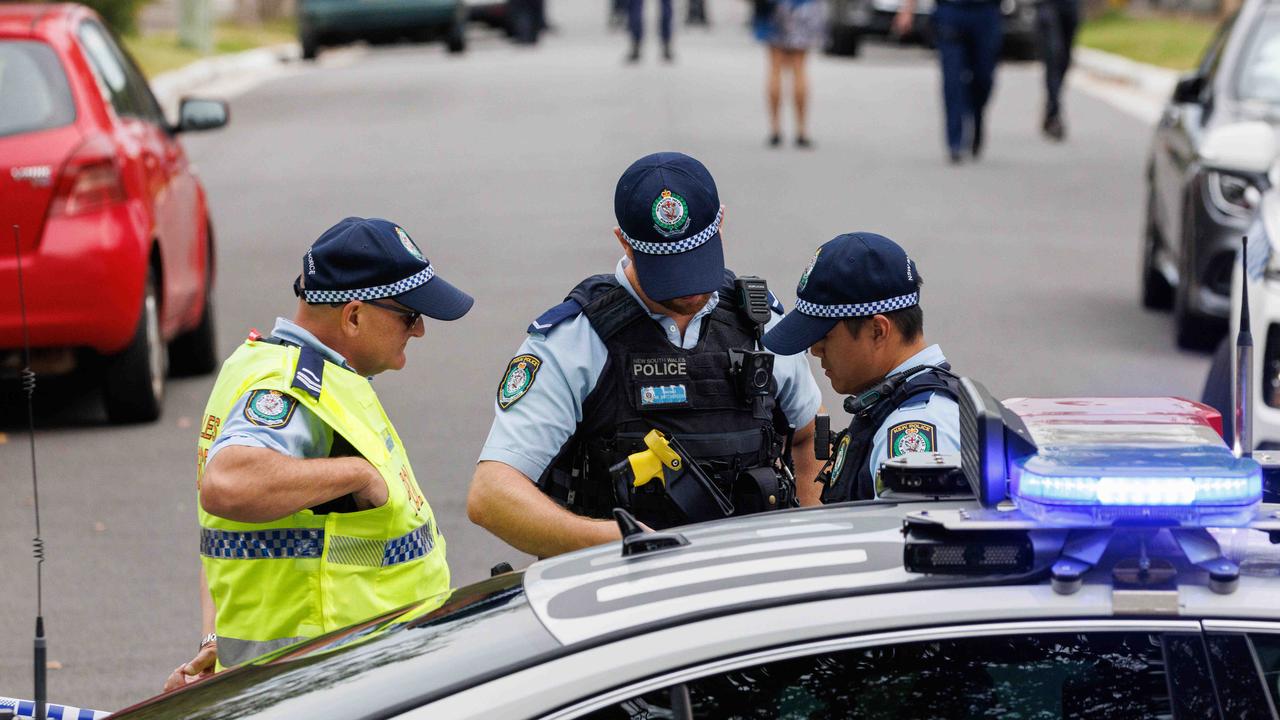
(251, 484)
(508, 504)
(808, 492)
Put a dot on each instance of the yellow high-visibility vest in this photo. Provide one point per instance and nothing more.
(279, 582)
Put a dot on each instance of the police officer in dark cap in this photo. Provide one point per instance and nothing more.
(858, 311)
(657, 344)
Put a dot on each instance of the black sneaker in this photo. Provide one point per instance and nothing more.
(1054, 129)
(977, 136)
(955, 157)
(803, 142)
(775, 140)
(666, 53)
(634, 55)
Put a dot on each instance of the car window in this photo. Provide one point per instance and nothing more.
(1259, 75)
(34, 94)
(1212, 57)
(1061, 675)
(1266, 648)
(121, 82)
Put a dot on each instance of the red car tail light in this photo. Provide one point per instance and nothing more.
(90, 179)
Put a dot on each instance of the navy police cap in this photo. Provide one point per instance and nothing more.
(853, 275)
(372, 258)
(669, 213)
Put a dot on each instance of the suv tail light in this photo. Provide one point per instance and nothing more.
(90, 180)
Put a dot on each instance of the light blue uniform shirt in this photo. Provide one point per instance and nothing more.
(529, 433)
(938, 410)
(305, 435)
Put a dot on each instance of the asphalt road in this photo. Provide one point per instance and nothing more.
(501, 163)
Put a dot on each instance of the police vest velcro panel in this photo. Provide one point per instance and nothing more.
(648, 383)
(850, 465)
(306, 574)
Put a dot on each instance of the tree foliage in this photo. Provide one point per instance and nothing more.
(121, 15)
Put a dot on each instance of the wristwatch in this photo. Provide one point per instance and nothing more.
(208, 640)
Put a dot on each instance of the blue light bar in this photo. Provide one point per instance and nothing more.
(1195, 487)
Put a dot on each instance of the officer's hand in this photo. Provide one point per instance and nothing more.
(374, 493)
(902, 23)
(200, 667)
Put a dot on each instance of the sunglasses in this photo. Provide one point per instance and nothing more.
(410, 317)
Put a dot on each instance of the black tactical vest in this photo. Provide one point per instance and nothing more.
(648, 383)
(851, 477)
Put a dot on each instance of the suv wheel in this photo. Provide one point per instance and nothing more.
(133, 388)
(456, 42)
(310, 45)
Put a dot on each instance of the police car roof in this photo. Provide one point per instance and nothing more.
(854, 550)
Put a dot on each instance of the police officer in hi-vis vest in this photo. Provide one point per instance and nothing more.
(310, 516)
(664, 342)
(858, 311)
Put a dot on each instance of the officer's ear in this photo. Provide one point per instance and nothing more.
(626, 247)
(350, 323)
(880, 327)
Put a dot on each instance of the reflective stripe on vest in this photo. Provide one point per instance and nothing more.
(341, 567)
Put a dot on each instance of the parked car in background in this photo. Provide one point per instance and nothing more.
(1195, 213)
(334, 22)
(852, 19)
(112, 226)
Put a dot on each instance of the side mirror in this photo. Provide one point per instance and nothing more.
(1242, 148)
(1188, 89)
(198, 114)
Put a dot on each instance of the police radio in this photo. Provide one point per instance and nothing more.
(752, 369)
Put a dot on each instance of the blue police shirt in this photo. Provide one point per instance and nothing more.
(304, 435)
(939, 411)
(528, 433)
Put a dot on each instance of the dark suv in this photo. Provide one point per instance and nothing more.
(1195, 215)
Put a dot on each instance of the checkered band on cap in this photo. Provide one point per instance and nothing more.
(372, 293)
(860, 309)
(675, 248)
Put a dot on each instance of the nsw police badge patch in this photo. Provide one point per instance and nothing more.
(670, 214)
(910, 437)
(519, 377)
(841, 453)
(269, 408)
(408, 244)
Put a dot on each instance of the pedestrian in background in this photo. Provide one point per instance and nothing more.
(635, 24)
(789, 29)
(969, 34)
(1056, 22)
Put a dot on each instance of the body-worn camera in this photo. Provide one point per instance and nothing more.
(751, 371)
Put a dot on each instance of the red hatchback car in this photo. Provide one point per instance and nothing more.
(111, 223)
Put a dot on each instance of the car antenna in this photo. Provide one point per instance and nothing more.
(37, 543)
(1242, 388)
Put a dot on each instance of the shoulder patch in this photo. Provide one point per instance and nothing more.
(556, 315)
(516, 381)
(269, 408)
(841, 453)
(776, 306)
(912, 436)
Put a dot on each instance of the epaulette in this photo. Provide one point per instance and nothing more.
(309, 376)
(556, 315)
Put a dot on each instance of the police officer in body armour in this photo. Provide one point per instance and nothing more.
(645, 347)
(858, 311)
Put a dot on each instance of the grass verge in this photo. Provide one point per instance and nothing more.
(160, 52)
(1171, 42)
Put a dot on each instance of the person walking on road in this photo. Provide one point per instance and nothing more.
(969, 34)
(858, 311)
(635, 25)
(310, 516)
(789, 29)
(649, 346)
(1056, 22)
